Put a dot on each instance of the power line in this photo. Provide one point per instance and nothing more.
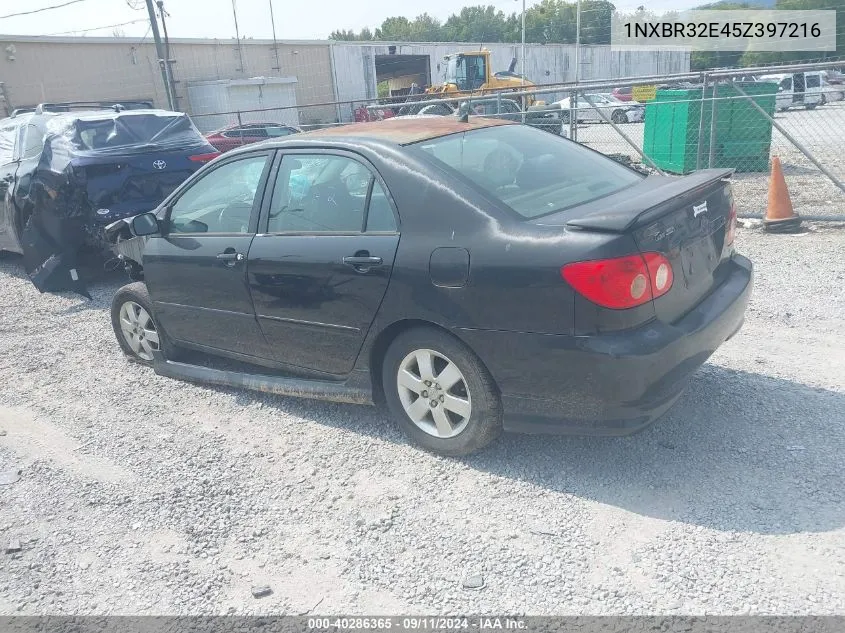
(98, 28)
(55, 6)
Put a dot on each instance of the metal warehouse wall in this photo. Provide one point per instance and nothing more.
(44, 69)
(39, 69)
(545, 63)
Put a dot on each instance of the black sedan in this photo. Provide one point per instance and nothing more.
(475, 275)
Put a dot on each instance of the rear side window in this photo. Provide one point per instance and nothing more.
(33, 142)
(813, 81)
(279, 131)
(8, 132)
(324, 193)
(532, 172)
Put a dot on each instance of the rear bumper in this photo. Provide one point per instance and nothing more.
(609, 384)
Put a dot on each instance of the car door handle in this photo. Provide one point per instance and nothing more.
(231, 257)
(362, 261)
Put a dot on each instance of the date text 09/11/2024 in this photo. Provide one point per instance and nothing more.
(417, 623)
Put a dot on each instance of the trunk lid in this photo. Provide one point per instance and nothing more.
(119, 186)
(683, 218)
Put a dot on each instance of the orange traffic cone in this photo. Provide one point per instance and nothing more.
(780, 216)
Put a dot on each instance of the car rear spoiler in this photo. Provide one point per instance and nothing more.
(627, 212)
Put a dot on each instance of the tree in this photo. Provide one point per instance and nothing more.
(343, 36)
(552, 21)
(394, 29)
(475, 24)
(425, 28)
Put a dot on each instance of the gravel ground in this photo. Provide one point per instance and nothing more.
(141, 495)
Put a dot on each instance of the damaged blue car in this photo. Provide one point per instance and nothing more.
(68, 170)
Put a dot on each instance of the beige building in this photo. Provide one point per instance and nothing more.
(52, 69)
(214, 76)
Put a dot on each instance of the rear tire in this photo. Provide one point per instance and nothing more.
(619, 117)
(440, 393)
(134, 324)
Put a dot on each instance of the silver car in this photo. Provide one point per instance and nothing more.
(616, 110)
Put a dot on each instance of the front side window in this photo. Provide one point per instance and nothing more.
(532, 172)
(33, 142)
(476, 72)
(220, 202)
(456, 72)
(275, 131)
(324, 193)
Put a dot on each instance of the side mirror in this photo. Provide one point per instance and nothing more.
(145, 224)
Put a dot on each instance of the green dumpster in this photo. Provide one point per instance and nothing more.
(742, 136)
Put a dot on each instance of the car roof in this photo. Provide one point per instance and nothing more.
(405, 130)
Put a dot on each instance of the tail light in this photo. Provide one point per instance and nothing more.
(621, 282)
(204, 158)
(730, 232)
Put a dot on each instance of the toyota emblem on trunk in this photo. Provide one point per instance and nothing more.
(159, 164)
(698, 209)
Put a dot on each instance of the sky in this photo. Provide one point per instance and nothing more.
(295, 19)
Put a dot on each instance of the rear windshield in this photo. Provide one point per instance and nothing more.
(533, 172)
(91, 133)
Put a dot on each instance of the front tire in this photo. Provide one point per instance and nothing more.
(619, 117)
(440, 393)
(137, 331)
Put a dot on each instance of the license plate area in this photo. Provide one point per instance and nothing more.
(698, 261)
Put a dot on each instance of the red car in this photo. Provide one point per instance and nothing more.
(238, 135)
(623, 94)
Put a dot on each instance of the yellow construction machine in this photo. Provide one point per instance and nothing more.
(469, 74)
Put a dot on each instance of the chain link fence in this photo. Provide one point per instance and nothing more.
(734, 118)
(738, 119)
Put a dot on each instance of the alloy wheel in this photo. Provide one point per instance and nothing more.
(434, 393)
(139, 330)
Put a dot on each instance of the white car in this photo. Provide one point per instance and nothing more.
(617, 111)
(832, 92)
(796, 89)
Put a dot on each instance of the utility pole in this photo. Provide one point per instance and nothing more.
(275, 43)
(578, 41)
(171, 85)
(522, 64)
(573, 99)
(238, 36)
(162, 61)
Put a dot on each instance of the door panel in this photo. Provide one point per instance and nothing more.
(8, 240)
(196, 272)
(314, 309)
(200, 299)
(317, 277)
(8, 170)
